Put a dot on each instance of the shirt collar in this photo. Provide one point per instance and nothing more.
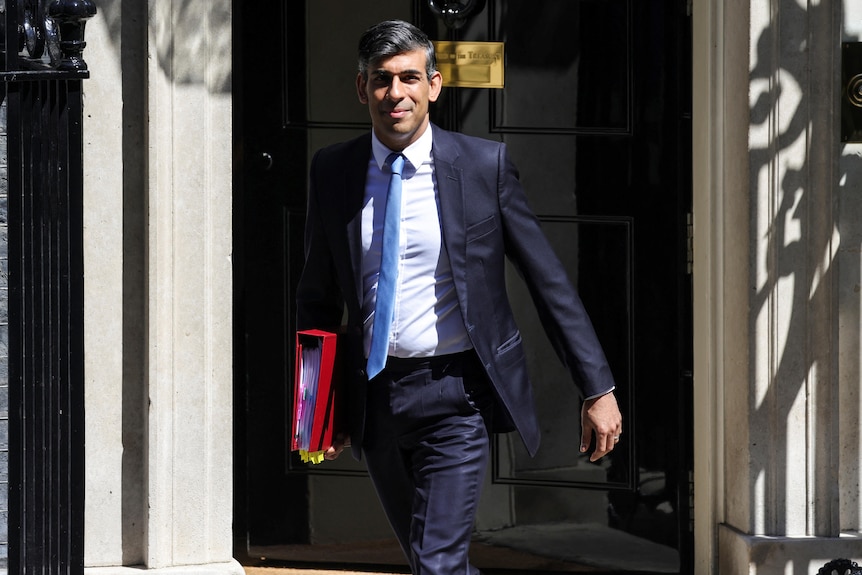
(416, 153)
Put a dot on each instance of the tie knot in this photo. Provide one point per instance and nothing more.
(396, 163)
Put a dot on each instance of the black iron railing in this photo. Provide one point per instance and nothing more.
(42, 72)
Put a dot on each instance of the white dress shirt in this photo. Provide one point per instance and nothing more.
(427, 320)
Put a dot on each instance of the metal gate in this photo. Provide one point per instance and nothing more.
(42, 77)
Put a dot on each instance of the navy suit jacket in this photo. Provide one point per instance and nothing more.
(485, 219)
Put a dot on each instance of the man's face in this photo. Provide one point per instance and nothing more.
(398, 91)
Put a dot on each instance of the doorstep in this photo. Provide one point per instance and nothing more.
(289, 571)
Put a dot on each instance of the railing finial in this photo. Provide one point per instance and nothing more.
(71, 18)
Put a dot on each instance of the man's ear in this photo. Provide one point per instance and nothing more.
(436, 86)
(361, 89)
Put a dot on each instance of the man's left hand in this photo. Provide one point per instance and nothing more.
(602, 416)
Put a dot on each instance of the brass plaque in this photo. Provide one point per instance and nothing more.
(470, 64)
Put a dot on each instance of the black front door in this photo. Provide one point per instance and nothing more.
(595, 114)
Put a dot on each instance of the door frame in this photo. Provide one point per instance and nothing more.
(705, 408)
(708, 315)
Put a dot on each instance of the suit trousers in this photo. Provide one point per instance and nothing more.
(426, 449)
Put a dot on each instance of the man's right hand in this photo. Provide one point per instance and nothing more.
(338, 445)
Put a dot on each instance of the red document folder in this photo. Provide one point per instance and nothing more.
(316, 392)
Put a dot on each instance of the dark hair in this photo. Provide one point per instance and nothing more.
(394, 37)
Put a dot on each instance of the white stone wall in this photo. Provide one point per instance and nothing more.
(793, 143)
(106, 453)
(776, 289)
(158, 296)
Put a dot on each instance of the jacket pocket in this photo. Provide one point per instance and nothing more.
(511, 350)
(481, 229)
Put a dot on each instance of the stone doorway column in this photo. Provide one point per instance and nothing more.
(159, 291)
(777, 243)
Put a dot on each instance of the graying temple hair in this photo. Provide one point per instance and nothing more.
(393, 37)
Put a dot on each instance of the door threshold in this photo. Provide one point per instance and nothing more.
(385, 557)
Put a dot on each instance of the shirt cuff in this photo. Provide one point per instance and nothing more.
(600, 394)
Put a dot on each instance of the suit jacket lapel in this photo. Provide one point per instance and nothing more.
(355, 173)
(452, 204)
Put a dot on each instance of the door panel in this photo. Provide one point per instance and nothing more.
(594, 115)
(576, 55)
(332, 51)
(558, 462)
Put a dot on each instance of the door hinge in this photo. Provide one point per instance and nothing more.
(689, 243)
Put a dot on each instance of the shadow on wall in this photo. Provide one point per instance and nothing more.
(192, 38)
(794, 271)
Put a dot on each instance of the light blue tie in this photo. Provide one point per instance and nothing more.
(384, 309)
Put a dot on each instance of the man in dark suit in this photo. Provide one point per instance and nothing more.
(452, 368)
